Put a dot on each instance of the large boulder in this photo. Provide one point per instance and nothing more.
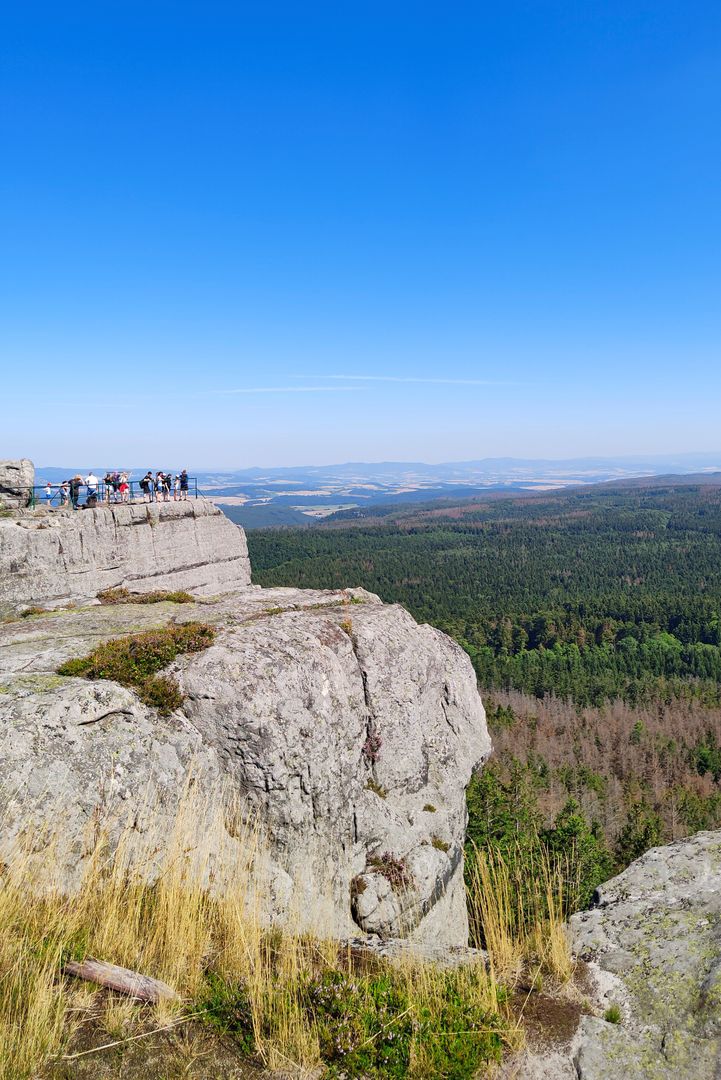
(654, 936)
(345, 728)
(16, 483)
(75, 554)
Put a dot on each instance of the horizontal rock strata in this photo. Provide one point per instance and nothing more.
(68, 554)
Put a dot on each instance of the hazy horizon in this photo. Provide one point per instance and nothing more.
(692, 458)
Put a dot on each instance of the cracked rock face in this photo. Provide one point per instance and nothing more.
(350, 730)
(66, 554)
(656, 933)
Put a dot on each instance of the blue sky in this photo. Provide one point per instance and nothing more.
(262, 234)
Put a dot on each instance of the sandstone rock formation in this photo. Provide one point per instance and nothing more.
(656, 934)
(68, 554)
(16, 483)
(651, 947)
(351, 730)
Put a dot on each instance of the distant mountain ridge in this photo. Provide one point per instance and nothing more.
(301, 494)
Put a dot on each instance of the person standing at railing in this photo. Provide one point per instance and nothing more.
(48, 492)
(91, 482)
(75, 490)
(184, 484)
(108, 481)
(124, 487)
(64, 493)
(146, 485)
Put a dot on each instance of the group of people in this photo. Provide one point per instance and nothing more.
(159, 487)
(116, 487)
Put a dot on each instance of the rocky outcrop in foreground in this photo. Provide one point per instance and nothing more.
(655, 936)
(650, 952)
(70, 555)
(348, 729)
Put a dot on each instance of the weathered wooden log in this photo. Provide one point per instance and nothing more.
(122, 980)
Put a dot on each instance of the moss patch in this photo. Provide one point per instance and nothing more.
(135, 661)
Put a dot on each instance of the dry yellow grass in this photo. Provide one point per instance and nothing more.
(523, 929)
(151, 907)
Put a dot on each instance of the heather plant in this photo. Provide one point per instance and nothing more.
(124, 596)
(135, 661)
(393, 869)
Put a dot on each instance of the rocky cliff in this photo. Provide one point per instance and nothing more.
(66, 554)
(346, 729)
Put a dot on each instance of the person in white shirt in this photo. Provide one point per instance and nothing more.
(91, 483)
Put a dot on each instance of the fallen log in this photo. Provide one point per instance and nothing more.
(122, 980)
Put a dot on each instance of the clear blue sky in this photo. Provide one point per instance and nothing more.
(505, 217)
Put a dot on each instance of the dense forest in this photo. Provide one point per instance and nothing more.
(593, 621)
(590, 596)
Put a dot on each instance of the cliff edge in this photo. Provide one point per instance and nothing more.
(71, 555)
(345, 729)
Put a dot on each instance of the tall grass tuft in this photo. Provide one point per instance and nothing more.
(518, 902)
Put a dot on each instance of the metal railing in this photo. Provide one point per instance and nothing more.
(65, 496)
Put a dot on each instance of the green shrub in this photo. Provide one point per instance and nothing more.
(162, 693)
(372, 1027)
(643, 830)
(135, 661)
(228, 1008)
(439, 845)
(612, 1015)
(504, 815)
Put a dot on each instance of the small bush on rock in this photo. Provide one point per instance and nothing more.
(124, 596)
(135, 661)
(372, 746)
(394, 870)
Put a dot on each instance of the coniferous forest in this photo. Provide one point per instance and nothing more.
(593, 620)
